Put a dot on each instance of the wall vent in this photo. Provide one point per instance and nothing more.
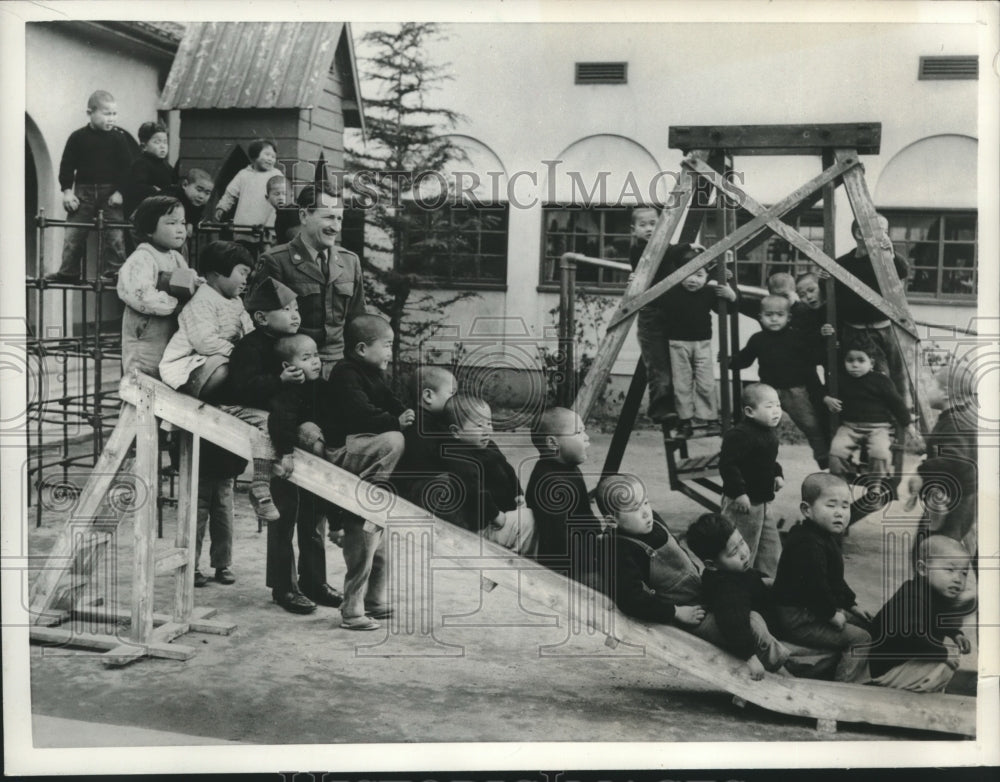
(602, 73)
(951, 67)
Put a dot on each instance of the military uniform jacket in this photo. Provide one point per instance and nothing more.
(325, 303)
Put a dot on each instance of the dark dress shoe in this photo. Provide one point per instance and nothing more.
(295, 602)
(326, 595)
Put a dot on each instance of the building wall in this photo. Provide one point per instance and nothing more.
(514, 83)
(208, 136)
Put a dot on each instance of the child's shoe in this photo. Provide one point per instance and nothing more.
(200, 579)
(359, 623)
(263, 505)
(224, 576)
(684, 429)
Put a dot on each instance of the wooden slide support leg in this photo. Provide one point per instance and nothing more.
(187, 525)
(45, 592)
(144, 519)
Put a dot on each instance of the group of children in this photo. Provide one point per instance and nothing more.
(233, 338)
(98, 172)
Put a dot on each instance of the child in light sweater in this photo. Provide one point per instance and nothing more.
(248, 190)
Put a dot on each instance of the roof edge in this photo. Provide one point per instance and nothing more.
(348, 36)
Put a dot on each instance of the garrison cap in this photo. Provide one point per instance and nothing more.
(269, 294)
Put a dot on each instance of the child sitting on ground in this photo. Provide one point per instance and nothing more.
(787, 362)
(485, 479)
(689, 308)
(557, 496)
(868, 404)
(909, 652)
(654, 578)
(150, 172)
(734, 593)
(365, 438)
(248, 190)
(751, 474)
(150, 318)
(815, 606)
(196, 360)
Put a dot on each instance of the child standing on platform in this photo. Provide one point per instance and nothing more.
(196, 360)
(751, 475)
(248, 190)
(150, 317)
(689, 308)
(787, 361)
(92, 174)
(150, 173)
(816, 607)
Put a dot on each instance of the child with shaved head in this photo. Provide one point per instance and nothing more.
(815, 606)
(909, 650)
(364, 436)
(557, 494)
(433, 386)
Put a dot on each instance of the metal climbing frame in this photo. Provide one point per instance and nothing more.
(74, 340)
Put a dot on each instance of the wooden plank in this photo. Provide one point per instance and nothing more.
(200, 621)
(614, 337)
(761, 221)
(810, 139)
(830, 288)
(904, 329)
(146, 475)
(187, 525)
(62, 555)
(171, 560)
(797, 240)
(626, 421)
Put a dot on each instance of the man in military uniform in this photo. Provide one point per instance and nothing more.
(325, 277)
(327, 280)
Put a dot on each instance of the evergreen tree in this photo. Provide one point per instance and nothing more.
(406, 139)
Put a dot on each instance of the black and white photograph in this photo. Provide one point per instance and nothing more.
(500, 386)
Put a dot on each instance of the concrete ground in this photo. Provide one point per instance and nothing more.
(480, 676)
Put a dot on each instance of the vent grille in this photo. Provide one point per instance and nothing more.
(949, 67)
(602, 73)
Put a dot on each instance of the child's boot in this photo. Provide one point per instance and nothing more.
(685, 429)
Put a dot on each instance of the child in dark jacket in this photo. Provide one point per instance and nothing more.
(655, 580)
(689, 307)
(150, 172)
(421, 462)
(485, 479)
(751, 475)
(558, 497)
(297, 403)
(365, 438)
(786, 361)
(734, 592)
(815, 606)
(909, 652)
(868, 404)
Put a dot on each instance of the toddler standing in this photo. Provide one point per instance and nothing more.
(247, 192)
(751, 474)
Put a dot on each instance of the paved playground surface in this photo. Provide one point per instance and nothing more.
(284, 679)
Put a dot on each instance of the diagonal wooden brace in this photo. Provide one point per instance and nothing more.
(652, 256)
(631, 305)
(824, 261)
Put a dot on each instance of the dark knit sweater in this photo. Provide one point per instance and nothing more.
(851, 308)
(148, 175)
(254, 371)
(95, 157)
(292, 406)
(364, 402)
(748, 462)
(689, 313)
(785, 358)
(871, 399)
(486, 479)
(912, 625)
(731, 596)
(558, 497)
(811, 572)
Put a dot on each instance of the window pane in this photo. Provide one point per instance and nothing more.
(446, 243)
(961, 281)
(959, 255)
(962, 229)
(923, 281)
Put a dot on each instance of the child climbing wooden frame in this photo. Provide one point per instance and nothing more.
(839, 146)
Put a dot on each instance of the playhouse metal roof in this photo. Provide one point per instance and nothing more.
(263, 65)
